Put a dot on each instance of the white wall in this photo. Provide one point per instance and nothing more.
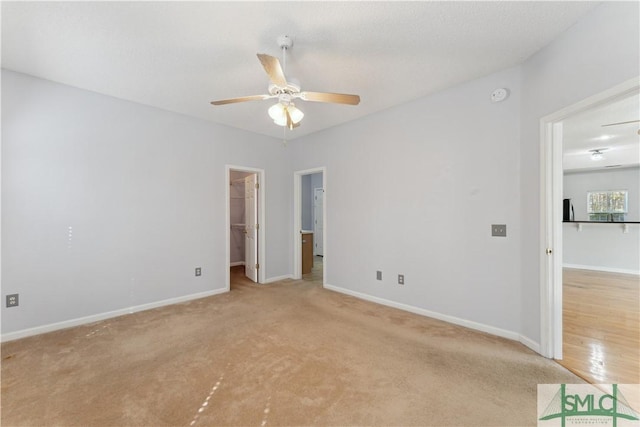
(108, 205)
(307, 185)
(410, 190)
(602, 247)
(414, 189)
(577, 184)
(306, 203)
(597, 53)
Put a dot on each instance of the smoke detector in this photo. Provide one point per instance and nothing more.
(499, 94)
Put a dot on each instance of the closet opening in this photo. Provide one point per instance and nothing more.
(245, 243)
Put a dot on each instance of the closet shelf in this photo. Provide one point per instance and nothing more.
(238, 226)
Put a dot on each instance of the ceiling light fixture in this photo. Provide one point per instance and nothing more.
(597, 153)
(279, 112)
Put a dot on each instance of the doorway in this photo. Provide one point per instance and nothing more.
(309, 231)
(551, 239)
(244, 215)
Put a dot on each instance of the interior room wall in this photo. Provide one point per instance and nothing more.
(109, 206)
(604, 247)
(307, 186)
(414, 190)
(598, 52)
(578, 184)
(306, 203)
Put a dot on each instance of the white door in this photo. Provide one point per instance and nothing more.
(318, 224)
(251, 227)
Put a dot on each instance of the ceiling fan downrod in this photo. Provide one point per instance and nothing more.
(285, 42)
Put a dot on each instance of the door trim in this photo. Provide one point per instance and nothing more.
(261, 220)
(297, 221)
(551, 213)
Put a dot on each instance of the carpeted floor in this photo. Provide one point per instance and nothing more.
(288, 353)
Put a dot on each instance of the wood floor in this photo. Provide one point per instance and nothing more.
(601, 326)
(238, 278)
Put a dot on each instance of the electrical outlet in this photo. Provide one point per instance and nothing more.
(499, 230)
(378, 275)
(13, 300)
(198, 271)
(400, 279)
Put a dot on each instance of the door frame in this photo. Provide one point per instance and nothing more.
(297, 221)
(551, 189)
(261, 220)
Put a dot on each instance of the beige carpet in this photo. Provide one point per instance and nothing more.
(289, 353)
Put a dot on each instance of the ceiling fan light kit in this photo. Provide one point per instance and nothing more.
(596, 154)
(284, 112)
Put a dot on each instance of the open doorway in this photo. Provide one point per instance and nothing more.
(309, 225)
(245, 236)
(574, 277)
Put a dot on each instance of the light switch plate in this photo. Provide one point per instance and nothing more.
(499, 230)
(378, 275)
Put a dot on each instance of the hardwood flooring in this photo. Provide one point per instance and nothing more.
(316, 271)
(601, 326)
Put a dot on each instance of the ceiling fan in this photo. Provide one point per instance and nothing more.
(622, 123)
(284, 112)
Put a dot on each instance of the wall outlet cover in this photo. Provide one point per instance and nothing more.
(378, 275)
(13, 300)
(198, 271)
(499, 230)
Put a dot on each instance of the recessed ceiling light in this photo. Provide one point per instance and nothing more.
(605, 137)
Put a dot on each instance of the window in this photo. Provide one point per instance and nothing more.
(607, 205)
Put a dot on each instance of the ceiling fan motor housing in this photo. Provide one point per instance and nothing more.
(285, 42)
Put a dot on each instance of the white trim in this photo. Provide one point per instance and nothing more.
(261, 215)
(278, 278)
(297, 221)
(106, 315)
(435, 315)
(551, 214)
(530, 343)
(605, 269)
(235, 264)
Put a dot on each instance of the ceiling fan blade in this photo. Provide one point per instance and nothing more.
(273, 68)
(621, 123)
(289, 121)
(241, 99)
(336, 98)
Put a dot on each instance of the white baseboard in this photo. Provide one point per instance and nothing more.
(278, 278)
(428, 313)
(102, 316)
(235, 264)
(600, 268)
(530, 343)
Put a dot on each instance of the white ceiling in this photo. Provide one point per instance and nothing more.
(180, 56)
(584, 131)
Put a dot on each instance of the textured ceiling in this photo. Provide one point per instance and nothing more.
(584, 131)
(179, 56)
